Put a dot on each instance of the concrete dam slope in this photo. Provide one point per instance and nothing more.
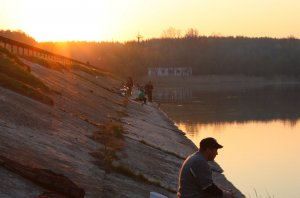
(92, 142)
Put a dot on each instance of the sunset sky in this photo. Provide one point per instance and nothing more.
(121, 20)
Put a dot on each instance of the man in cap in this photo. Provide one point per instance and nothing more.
(195, 177)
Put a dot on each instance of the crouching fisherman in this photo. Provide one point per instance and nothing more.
(195, 177)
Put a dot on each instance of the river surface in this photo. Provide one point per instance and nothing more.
(259, 128)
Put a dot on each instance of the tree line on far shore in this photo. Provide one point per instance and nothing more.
(214, 55)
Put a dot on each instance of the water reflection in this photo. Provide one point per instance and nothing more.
(193, 128)
(173, 95)
(264, 104)
(256, 155)
(260, 131)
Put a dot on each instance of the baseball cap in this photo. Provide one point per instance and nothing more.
(210, 143)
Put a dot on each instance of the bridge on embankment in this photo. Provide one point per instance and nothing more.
(20, 48)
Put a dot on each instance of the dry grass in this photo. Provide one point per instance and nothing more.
(15, 75)
(110, 135)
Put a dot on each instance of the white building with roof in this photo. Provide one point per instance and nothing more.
(170, 71)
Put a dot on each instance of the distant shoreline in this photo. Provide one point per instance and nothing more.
(220, 83)
(224, 78)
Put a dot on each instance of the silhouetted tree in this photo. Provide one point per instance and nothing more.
(192, 33)
(171, 32)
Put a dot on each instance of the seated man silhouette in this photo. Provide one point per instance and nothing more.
(195, 177)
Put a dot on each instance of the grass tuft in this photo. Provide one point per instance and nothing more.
(16, 77)
(110, 135)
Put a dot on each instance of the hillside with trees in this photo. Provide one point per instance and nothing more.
(18, 36)
(215, 55)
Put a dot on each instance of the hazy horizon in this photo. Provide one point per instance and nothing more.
(158, 37)
(121, 21)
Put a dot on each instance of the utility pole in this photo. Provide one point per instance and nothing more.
(139, 37)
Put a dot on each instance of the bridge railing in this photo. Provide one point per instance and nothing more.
(21, 48)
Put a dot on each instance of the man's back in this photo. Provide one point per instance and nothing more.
(195, 175)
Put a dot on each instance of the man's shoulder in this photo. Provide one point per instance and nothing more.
(197, 157)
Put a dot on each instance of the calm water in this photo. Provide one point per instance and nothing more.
(259, 128)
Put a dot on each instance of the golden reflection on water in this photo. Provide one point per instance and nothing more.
(257, 155)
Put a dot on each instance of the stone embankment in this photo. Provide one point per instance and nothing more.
(42, 145)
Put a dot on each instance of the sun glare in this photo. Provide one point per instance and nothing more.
(59, 20)
(65, 20)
